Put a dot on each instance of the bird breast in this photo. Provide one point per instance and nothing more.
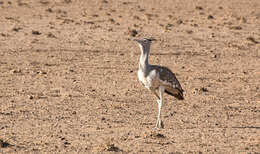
(150, 81)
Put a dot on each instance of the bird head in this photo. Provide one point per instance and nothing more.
(144, 41)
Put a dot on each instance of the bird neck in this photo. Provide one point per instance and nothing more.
(143, 63)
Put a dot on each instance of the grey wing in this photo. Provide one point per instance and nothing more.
(170, 82)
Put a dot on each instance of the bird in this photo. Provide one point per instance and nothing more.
(157, 79)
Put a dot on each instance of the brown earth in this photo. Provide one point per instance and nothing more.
(68, 76)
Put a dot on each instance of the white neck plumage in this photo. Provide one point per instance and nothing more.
(143, 63)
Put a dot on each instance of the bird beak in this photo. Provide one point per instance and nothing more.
(137, 40)
(151, 39)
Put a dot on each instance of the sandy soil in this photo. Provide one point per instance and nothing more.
(68, 76)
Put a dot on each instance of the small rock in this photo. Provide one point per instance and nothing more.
(198, 8)
(43, 72)
(236, 27)
(34, 32)
(210, 17)
(67, 143)
(133, 33)
(112, 147)
(17, 29)
(245, 72)
(214, 56)
(172, 114)
(50, 35)
(179, 21)
(16, 71)
(4, 35)
(30, 97)
(170, 16)
(167, 27)
(160, 135)
(4, 144)
(204, 89)
(252, 40)
(49, 10)
(195, 25)
(157, 135)
(112, 20)
(136, 17)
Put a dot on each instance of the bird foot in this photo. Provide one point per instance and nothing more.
(159, 124)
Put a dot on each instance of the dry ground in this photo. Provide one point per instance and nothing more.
(68, 76)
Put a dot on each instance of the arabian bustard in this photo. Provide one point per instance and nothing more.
(157, 78)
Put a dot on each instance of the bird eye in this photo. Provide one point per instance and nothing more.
(146, 40)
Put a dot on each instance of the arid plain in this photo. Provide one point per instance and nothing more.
(68, 76)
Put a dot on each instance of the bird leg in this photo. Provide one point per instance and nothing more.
(159, 123)
(157, 96)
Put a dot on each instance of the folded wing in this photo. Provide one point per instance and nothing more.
(170, 82)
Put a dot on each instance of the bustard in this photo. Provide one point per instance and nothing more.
(157, 78)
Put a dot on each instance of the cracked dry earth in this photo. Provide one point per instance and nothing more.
(68, 76)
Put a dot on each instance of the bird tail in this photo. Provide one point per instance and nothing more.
(178, 95)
